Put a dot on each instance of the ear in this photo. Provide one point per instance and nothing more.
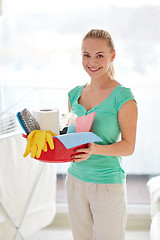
(113, 55)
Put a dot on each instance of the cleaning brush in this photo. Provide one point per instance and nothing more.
(27, 121)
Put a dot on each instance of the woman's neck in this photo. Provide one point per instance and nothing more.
(101, 83)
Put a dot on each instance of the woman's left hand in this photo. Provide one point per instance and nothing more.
(84, 153)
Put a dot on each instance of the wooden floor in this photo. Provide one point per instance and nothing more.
(65, 234)
(137, 191)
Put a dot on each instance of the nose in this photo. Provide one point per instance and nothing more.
(93, 62)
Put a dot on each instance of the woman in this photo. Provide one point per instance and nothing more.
(95, 183)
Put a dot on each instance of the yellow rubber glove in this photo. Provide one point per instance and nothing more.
(37, 140)
(49, 139)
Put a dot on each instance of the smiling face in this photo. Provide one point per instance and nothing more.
(96, 57)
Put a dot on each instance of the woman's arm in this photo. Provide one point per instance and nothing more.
(69, 106)
(127, 118)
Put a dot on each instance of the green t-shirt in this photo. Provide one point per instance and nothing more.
(101, 168)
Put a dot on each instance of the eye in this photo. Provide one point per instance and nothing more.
(99, 56)
(86, 55)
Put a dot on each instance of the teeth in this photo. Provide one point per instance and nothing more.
(93, 69)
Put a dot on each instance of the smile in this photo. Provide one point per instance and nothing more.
(93, 69)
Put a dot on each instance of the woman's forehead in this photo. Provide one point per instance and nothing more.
(95, 45)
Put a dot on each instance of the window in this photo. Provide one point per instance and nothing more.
(40, 60)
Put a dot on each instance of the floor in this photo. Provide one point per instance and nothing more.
(57, 234)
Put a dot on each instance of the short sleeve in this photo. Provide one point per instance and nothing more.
(124, 95)
(74, 94)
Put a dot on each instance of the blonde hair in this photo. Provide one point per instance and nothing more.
(102, 34)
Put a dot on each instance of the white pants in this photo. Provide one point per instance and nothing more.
(97, 211)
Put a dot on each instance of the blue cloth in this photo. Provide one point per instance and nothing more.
(71, 140)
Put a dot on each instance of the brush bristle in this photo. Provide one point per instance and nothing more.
(27, 121)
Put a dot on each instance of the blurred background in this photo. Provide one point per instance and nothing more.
(40, 61)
